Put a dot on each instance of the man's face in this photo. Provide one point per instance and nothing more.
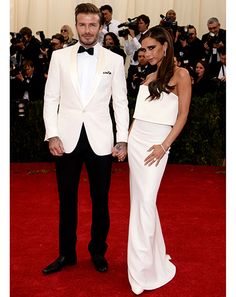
(214, 28)
(192, 34)
(141, 58)
(142, 27)
(107, 15)
(56, 44)
(88, 28)
(28, 70)
(223, 59)
(171, 15)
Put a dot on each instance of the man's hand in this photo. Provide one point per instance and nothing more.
(120, 151)
(55, 146)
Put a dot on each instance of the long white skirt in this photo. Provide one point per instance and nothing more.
(149, 266)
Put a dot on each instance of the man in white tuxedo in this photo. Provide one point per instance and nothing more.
(81, 81)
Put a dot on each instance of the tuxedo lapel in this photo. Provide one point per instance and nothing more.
(74, 68)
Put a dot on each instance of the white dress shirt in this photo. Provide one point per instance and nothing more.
(222, 72)
(87, 65)
(113, 27)
(131, 46)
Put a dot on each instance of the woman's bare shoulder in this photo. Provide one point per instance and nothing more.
(181, 72)
(150, 77)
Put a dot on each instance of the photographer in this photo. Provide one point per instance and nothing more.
(169, 22)
(110, 24)
(136, 28)
(218, 71)
(28, 83)
(214, 40)
(31, 48)
(196, 47)
(16, 53)
(138, 74)
(182, 48)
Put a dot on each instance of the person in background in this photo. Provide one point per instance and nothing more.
(169, 22)
(213, 40)
(196, 47)
(82, 78)
(56, 43)
(171, 15)
(31, 48)
(201, 79)
(111, 42)
(218, 70)
(110, 24)
(28, 83)
(68, 34)
(139, 73)
(161, 112)
(134, 43)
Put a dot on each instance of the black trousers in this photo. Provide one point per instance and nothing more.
(68, 170)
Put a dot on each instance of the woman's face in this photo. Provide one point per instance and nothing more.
(154, 50)
(109, 41)
(199, 69)
(65, 33)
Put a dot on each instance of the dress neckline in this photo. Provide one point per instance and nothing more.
(166, 93)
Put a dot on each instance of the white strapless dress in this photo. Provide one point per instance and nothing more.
(149, 266)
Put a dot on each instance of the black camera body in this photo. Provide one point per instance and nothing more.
(45, 42)
(183, 33)
(212, 39)
(168, 23)
(131, 24)
(16, 38)
(14, 71)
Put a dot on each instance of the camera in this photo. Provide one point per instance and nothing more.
(131, 24)
(211, 39)
(16, 38)
(45, 42)
(14, 71)
(168, 23)
(183, 33)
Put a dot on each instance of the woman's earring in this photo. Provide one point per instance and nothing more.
(164, 52)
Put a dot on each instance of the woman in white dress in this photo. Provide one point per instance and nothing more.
(160, 114)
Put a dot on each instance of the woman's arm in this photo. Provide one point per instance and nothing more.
(184, 89)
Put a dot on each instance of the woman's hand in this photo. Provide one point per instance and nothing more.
(157, 152)
(120, 151)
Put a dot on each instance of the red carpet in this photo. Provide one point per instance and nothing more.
(192, 211)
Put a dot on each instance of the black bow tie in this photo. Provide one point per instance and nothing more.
(82, 49)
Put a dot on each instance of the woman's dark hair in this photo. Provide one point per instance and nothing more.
(114, 38)
(166, 69)
(206, 74)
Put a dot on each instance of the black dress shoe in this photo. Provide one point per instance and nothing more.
(100, 263)
(58, 264)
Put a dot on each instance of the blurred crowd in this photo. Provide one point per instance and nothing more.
(204, 57)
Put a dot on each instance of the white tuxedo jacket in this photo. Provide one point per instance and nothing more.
(63, 111)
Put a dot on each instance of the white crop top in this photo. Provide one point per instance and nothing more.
(161, 111)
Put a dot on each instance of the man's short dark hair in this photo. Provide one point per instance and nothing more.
(106, 7)
(144, 18)
(87, 8)
(58, 36)
(26, 31)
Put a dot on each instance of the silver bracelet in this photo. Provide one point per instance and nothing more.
(163, 148)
